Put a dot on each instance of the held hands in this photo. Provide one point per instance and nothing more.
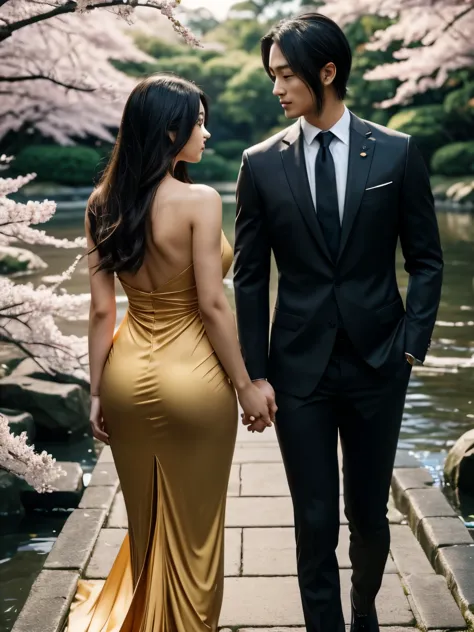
(258, 419)
(97, 421)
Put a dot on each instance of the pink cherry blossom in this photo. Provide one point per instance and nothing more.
(444, 27)
(20, 459)
(29, 315)
(56, 74)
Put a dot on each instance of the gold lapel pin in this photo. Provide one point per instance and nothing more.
(363, 154)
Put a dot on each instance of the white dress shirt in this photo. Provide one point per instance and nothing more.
(339, 149)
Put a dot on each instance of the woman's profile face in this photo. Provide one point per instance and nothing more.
(192, 151)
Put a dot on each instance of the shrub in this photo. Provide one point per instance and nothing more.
(455, 159)
(231, 149)
(214, 168)
(426, 123)
(62, 165)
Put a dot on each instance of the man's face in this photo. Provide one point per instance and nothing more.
(295, 97)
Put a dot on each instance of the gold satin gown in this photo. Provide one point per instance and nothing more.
(171, 413)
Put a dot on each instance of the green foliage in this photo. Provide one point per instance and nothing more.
(231, 149)
(220, 70)
(455, 159)
(460, 102)
(363, 96)
(428, 124)
(214, 168)
(63, 165)
(248, 101)
(158, 48)
(239, 34)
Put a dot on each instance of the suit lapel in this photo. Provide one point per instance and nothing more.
(361, 142)
(292, 153)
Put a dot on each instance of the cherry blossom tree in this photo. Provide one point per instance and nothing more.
(56, 70)
(28, 322)
(444, 28)
(28, 314)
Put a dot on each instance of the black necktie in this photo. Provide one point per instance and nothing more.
(327, 207)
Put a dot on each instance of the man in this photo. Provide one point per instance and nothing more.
(330, 196)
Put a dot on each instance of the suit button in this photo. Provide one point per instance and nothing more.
(332, 324)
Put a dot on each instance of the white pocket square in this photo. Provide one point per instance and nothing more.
(380, 185)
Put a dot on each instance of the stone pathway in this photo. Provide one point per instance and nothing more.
(261, 588)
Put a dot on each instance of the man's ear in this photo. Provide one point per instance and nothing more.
(328, 74)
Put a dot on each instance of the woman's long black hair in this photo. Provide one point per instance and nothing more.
(143, 155)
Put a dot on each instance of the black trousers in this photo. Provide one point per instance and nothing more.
(366, 409)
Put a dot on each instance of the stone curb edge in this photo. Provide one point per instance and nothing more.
(440, 531)
(53, 590)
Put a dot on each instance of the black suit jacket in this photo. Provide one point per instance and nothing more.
(275, 212)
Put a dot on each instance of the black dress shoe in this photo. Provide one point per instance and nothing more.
(364, 622)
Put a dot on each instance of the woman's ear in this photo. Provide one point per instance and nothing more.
(172, 136)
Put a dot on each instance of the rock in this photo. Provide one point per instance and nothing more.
(59, 410)
(18, 261)
(459, 466)
(20, 422)
(10, 501)
(30, 368)
(67, 494)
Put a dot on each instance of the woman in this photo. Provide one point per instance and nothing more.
(163, 387)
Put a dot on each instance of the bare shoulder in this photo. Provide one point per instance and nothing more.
(188, 195)
(204, 204)
(204, 193)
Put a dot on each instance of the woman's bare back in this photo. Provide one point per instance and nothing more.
(169, 235)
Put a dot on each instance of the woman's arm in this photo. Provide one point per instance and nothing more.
(215, 310)
(102, 317)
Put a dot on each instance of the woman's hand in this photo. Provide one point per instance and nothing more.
(255, 406)
(97, 421)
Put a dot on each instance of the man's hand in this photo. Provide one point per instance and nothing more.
(257, 425)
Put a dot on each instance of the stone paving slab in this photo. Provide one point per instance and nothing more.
(110, 540)
(248, 453)
(298, 629)
(427, 503)
(436, 533)
(104, 474)
(433, 603)
(100, 497)
(272, 552)
(456, 563)
(264, 479)
(233, 552)
(272, 512)
(404, 479)
(118, 515)
(76, 541)
(267, 479)
(105, 551)
(234, 481)
(48, 602)
(262, 601)
(106, 455)
(403, 458)
(408, 555)
(259, 512)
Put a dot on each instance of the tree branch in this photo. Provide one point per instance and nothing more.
(7, 31)
(68, 86)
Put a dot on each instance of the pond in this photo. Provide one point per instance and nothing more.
(439, 402)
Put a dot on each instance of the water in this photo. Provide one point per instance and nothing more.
(438, 411)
